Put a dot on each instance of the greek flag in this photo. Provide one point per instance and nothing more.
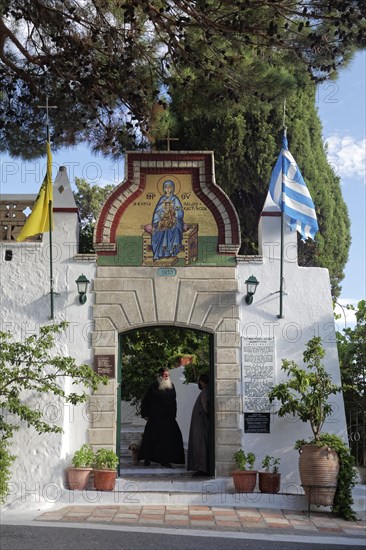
(289, 192)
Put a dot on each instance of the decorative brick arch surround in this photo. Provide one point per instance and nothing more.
(199, 297)
(199, 165)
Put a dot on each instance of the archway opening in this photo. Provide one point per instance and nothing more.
(187, 353)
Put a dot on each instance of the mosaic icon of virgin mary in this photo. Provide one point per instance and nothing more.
(167, 224)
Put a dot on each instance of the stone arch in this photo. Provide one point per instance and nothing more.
(133, 297)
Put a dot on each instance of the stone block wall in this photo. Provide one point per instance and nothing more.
(199, 298)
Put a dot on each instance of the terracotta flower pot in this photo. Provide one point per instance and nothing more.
(319, 468)
(104, 480)
(186, 360)
(244, 480)
(269, 482)
(78, 478)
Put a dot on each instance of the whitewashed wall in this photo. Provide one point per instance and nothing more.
(25, 305)
(38, 471)
(307, 309)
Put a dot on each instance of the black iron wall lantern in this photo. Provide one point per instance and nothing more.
(82, 284)
(252, 284)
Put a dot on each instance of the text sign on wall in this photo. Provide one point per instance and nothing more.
(166, 272)
(104, 365)
(257, 423)
(258, 363)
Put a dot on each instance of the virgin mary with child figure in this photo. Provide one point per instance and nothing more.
(167, 224)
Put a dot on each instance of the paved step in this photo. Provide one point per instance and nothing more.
(180, 487)
(182, 490)
(255, 524)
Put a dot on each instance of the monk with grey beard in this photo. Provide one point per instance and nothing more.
(164, 381)
(162, 441)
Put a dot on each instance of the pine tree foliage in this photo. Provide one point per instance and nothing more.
(227, 65)
(104, 62)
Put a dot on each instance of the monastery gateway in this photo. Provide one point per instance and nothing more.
(139, 282)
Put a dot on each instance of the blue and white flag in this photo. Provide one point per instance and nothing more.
(290, 193)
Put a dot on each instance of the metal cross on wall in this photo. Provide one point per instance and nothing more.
(168, 139)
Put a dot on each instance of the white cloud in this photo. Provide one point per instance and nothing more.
(347, 155)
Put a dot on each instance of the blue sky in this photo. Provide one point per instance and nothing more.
(341, 107)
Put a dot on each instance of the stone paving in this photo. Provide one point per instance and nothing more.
(212, 518)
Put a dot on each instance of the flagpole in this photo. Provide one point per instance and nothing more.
(47, 107)
(288, 191)
(280, 315)
(50, 233)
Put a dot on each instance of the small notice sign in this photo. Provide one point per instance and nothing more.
(167, 272)
(104, 365)
(257, 423)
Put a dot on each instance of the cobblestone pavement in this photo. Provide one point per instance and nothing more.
(211, 518)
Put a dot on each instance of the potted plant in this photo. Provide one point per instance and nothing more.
(182, 359)
(106, 462)
(244, 477)
(325, 464)
(78, 475)
(270, 479)
(186, 360)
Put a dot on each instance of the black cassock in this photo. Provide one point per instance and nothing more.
(162, 440)
(198, 442)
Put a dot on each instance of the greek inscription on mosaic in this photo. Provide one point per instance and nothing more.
(258, 363)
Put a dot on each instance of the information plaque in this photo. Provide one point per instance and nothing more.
(104, 365)
(258, 361)
(257, 423)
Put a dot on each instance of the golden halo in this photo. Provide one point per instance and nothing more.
(174, 179)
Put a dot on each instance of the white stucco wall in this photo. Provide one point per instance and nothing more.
(38, 471)
(307, 309)
(25, 305)
(186, 398)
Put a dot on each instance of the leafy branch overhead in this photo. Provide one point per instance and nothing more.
(105, 62)
(31, 365)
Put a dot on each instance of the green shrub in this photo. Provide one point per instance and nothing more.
(84, 457)
(6, 460)
(242, 460)
(106, 459)
(271, 463)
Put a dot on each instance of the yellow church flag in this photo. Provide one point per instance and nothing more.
(39, 219)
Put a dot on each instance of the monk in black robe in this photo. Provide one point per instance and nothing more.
(162, 440)
(198, 443)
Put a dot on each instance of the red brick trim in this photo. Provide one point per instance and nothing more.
(70, 209)
(134, 162)
(271, 214)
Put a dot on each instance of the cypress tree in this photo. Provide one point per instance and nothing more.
(246, 135)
